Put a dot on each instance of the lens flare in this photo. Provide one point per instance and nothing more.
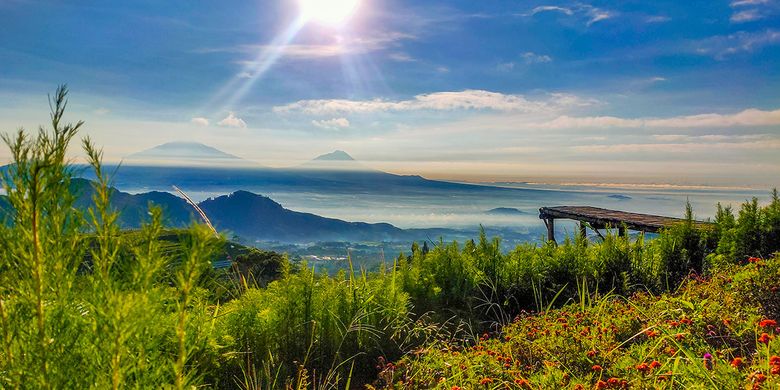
(331, 12)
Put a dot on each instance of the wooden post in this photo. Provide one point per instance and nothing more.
(550, 229)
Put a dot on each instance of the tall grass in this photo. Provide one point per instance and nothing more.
(83, 304)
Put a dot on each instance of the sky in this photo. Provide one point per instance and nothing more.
(679, 92)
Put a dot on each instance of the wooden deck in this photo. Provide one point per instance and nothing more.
(599, 218)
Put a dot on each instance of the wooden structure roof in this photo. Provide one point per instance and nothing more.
(599, 218)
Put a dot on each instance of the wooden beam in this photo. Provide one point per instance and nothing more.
(550, 223)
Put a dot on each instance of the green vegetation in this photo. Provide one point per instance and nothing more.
(85, 305)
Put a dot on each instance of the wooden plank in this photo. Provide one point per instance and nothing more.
(599, 217)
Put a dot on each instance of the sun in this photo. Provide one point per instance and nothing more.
(332, 12)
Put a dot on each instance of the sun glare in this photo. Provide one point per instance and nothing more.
(331, 12)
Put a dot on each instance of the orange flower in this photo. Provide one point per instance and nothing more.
(736, 362)
(455, 388)
(592, 353)
(601, 385)
(485, 381)
(596, 367)
(651, 333)
(774, 370)
(764, 338)
(767, 323)
(774, 360)
(655, 364)
(642, 367)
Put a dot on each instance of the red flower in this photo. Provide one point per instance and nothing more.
(767, 323)
(592, 353)
(774, 370)
(655, 364)
(613, 381)
(643, 367)
(596, 367)
(764, 338)
(753, 259)
(601, 385)
(522, 382)
(455, 388)
(485, 381)
(651, 333)
(774, 360)
(736, 362)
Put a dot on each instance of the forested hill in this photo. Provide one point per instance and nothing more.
(246, 214)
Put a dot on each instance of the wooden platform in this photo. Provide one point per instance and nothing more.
(599, 218)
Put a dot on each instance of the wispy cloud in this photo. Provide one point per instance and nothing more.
(533, 58)
(588, 13)
(722, 46)
(200, 121)
(400, 57)
(329, 46)
(332, 124)
(750, 10)
(749, 117)
(657, 19)
(439, 101)
(551, 8)
(678, 148)
(232, 121)
(746, 16)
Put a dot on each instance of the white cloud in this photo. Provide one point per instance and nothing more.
(232, 121)
(327, 47)
(723, 46)
(749, 117)
(588, 13)
(333, 124)
(657, 19)
(200, 121)
(740, 3)
(506, 66)
(533, 58)
(746, 16)
(551, 8)
(440, 101)
(401, 57)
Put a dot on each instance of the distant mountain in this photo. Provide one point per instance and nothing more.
(505, 211)
(337, 155)
(185, 153)
(336, 161)
(619, 197)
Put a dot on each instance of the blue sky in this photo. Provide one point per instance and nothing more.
(683, 92)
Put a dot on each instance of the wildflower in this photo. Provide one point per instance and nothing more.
(651, 333)
(643, 367)
(596, 367)
(727, 321)
(613, 381)
(775, 370)
(522, 382)
(485, 381)
(655, 364)
(679, 336)
(579, 386)
(754, 260)
(592, 353)
(736, 362)
(455, 388)
(767, 323)
(601, 385)
(708, 361)
(764, 338)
